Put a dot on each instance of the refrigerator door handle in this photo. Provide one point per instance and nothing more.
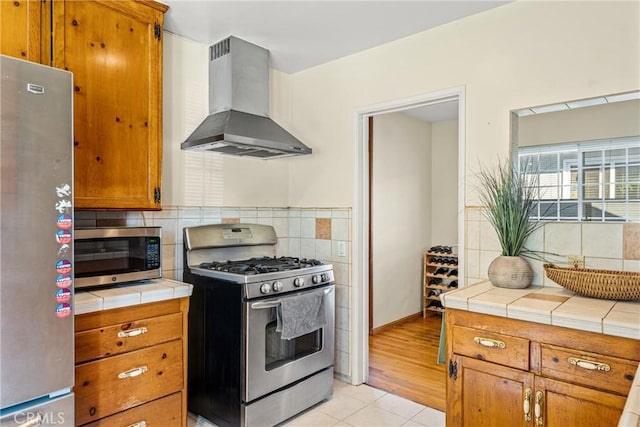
(37, 421)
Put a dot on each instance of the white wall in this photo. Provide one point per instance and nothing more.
(617, 120)
(444, 183)
(521, 54)
(400, 205)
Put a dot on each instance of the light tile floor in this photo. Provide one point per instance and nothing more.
(360, 406)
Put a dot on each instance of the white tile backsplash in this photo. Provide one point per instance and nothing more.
(601, 244)
(308, 228)
(340, 229)
(488, 237)
(323, 250)
(563, 238)
(602, 240)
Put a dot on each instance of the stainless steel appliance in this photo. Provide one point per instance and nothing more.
(108, 255)
(36, 234)
(238, 122)
(244, 367)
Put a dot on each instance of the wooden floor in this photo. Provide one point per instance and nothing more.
(403, 361)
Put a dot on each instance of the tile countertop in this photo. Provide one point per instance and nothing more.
(551, 306)
(127, 294)
(559, 307)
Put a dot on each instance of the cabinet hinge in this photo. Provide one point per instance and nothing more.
(156, 195)
(157, 31)
(453, 369)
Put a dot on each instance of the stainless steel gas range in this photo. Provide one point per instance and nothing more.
(261, 327)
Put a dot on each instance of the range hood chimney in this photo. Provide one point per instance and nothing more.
(238, 122)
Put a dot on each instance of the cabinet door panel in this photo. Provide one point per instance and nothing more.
(570, 405)
(487, 394)
(115, 56)
(20, 29)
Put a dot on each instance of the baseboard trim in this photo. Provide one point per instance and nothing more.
(395, 323)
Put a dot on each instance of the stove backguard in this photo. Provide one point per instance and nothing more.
(223, 242)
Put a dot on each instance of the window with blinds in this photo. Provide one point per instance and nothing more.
(585, 181)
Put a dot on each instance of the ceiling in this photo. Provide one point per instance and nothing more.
(304, 33)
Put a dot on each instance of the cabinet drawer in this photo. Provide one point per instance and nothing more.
(492, 347)
(164, 412)
(116, 383)
(590, 369)
(127, 336)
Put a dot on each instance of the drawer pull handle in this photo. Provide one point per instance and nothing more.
(538, 408)
(526, 405)
(132, 333)
(138, 424)
(488, 342)
(586, 364)
(133, 372)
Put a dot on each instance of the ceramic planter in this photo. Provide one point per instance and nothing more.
(512, 272)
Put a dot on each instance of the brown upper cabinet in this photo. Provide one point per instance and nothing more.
(114, 49)
(21, 29)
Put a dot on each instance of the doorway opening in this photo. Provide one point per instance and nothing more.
(365, 220)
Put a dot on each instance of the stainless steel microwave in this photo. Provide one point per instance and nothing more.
(109, 255)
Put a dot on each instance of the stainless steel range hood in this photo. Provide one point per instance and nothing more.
(238, 121)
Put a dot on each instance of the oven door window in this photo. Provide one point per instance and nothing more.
(279, 352)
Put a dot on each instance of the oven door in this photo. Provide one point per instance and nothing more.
(273, 362)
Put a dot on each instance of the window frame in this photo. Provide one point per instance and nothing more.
(564, 170)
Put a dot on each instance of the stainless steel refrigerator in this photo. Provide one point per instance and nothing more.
(36, 227)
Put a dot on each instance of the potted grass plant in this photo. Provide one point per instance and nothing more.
(508, 197)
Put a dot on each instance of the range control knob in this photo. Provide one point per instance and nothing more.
(277, 286)
(325, 277)
(265, 288)
(315, 279)
(298, 282)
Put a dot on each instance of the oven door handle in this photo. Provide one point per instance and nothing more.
(268, 304)
(273, 304)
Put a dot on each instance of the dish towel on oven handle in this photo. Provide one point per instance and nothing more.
(300, 314)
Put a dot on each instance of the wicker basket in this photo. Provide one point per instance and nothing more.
(605, 284)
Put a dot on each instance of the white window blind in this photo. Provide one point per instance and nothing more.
(203, 178)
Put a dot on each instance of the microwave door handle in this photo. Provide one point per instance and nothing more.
(267, 304)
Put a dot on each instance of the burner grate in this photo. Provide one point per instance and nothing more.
(260, 265)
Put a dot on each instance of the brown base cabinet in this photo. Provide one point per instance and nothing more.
(131, 365)
(506, 372)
